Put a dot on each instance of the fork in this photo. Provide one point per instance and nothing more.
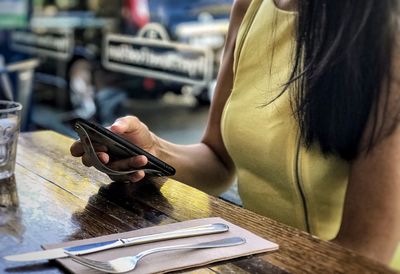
(125, 264)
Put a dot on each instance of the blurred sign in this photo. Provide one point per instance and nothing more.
(13, 13)
(56, 44)
(159, 59)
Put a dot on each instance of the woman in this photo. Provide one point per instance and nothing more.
(305, 115)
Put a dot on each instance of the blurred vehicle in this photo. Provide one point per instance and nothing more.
(78, 28)
(198, 23)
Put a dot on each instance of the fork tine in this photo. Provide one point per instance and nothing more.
(102, 266)
(82, 260)
(89, 261)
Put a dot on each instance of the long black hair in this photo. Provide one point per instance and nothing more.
(342, 70)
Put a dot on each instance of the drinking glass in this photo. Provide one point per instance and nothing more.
(10, 118)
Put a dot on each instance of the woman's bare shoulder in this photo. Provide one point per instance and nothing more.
(239, 9)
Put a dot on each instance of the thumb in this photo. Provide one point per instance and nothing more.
(128, 124)
(118, 127)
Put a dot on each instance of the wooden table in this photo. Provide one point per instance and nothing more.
(54, 198)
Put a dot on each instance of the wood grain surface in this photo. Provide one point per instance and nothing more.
(54, 198)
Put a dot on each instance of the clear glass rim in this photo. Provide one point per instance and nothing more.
(15, 106)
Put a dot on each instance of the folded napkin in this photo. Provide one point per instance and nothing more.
(174, 260)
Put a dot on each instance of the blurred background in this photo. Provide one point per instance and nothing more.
(99, 60)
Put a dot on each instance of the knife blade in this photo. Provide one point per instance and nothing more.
(58, 253)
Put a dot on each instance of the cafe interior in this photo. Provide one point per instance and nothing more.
(139, 136)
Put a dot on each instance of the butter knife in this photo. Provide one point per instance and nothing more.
(58, 253)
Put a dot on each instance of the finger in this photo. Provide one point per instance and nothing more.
(127, 124)
(126, 164)
(104, 157)
(76, 149)
(137, 176)
(86, 160)
(134, 177)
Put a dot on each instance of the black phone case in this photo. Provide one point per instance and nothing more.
(119, 148)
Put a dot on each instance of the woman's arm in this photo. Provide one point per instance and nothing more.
(207, 165)
(371, 216)
(213, 169)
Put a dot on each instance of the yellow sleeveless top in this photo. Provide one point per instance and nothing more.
(277, 176)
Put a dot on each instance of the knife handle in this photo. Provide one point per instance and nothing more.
(181, 233)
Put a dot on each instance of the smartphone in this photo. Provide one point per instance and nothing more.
(118, 148)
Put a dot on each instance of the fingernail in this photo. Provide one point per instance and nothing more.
(117, 123)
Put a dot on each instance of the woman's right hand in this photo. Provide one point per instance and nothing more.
(134, 131)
